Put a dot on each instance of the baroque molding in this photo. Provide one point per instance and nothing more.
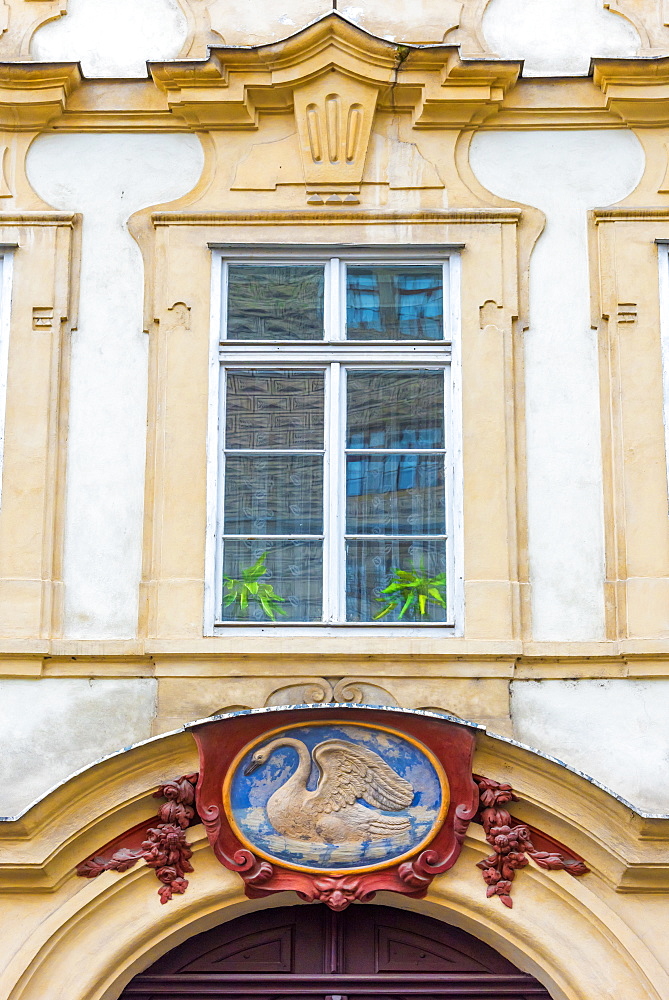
(235, 84)
(34, 94)
(631, 214)
(341, 691)
(635, 89)
(20, 20)
(164, 848)
(627, 850)
(512, 842)
(161, 843)
(333, 78)
(337, 215)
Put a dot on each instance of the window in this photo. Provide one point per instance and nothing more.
(335, 458)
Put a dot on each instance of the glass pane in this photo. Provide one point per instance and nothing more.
(394, 303)
(395, 409)
(272, 302)
(273, 494)
(292, 570)
(274, 409)
(395, 495)
(371, 566)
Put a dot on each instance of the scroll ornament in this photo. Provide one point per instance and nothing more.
(511, 842)
(165, 848)
(166, 851)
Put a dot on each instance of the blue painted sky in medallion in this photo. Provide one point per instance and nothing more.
(250, 795)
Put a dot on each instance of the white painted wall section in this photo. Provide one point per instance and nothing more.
(239, 22)
(107, 178)
(557, 37)
(52, 727)
(113, 38)
(614, 730)
(405, 20)
(554, 172)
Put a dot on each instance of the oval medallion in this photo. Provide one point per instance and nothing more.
(335, 796)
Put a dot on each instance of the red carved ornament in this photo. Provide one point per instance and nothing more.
(512, 842)
(453, 745)
(164, 848)
(161, 840)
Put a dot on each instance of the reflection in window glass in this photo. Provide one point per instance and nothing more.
(395, 486)
(275, 302)
(395, 409)
(371, 565)
(269, 494)
(334, 479)
(273, 479)
(385, 302)
(293, 569)
(395, 494)
(274, 409)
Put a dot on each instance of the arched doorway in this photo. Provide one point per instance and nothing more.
(312, 953)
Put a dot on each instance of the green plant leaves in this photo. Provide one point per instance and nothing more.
(415, 590)
(250, 589)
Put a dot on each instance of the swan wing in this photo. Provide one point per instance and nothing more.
(350, 772)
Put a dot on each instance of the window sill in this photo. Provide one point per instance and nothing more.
(340, 628)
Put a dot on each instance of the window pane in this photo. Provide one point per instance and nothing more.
(274, 409)
(371, 566)
(274, 494)
(271, 302)
(293, 569)
(394, 303)
(395, 495)
(395, 409)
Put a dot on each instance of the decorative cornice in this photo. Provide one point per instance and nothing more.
(33, 94)
(67, 219)
(631, 214)
(234, 85)
(635, 89)
(337, 215)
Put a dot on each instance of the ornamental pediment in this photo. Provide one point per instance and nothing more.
(234, 86)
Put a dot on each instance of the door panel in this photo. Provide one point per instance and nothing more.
(268, 950)
(381, 940)
(310, 953)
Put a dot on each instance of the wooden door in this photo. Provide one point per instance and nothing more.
(310, 953)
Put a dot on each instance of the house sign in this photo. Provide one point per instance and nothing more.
(335, 803)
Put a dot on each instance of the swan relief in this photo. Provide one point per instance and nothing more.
(332, 812)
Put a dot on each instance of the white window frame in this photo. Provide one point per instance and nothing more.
(335, 354)
(6, 266)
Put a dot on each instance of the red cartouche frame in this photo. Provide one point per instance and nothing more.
(219, 742)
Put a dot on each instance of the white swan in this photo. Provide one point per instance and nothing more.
(330, 812)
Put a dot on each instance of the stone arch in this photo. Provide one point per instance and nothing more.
(90, 948)
(86, 940)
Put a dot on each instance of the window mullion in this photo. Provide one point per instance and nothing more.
(331, 516)
(335, 325)
(340, 487)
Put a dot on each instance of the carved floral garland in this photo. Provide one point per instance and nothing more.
(165, 848)
(512, 844)
(166, 851)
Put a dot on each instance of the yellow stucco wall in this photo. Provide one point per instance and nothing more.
(410, 183)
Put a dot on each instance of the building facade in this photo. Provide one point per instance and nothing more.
(334, 370)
